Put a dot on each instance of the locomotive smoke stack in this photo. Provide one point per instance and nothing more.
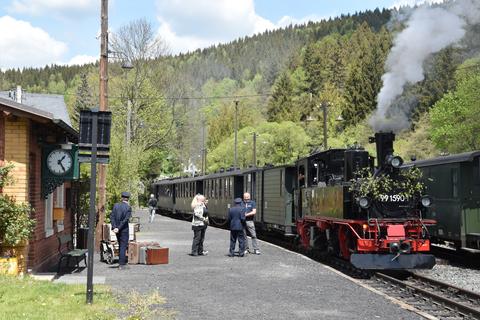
(384, 144)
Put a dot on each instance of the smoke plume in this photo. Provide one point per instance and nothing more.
(428, 30)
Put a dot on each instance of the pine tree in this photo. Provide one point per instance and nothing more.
(83, 99)
(281, 106)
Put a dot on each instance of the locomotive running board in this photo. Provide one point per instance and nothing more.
(369, 261)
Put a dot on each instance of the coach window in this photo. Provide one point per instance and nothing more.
(455, 183)
(220, 188)
(281, 182)
(226, 188)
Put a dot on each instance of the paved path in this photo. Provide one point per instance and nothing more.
(275, 285)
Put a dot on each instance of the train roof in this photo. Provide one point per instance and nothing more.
(322, 152)
(460, 157)
(208, 176)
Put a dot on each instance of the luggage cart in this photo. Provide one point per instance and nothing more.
(109, 247)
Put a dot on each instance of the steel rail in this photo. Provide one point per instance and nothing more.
(448, 302)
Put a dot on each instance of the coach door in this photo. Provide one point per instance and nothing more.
(237, 187)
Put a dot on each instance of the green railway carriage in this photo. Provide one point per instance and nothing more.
(275, 201)
(220, 189)
(164, 191)
(454, 182)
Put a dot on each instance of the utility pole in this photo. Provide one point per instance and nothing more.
(236, 129)
(254, 149)
(324, 107)
(203, 148)
(102, 172)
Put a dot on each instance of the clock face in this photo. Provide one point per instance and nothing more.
(59, 162)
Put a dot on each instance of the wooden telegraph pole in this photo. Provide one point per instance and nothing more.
(102, 172)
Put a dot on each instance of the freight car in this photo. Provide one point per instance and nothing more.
(454, 183)
(316, 203)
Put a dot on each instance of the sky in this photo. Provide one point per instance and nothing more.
(40, 32)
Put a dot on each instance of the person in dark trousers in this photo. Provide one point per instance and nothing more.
(250, 211)
(152, 205)
(236, 220)
(199, 225)
(119, 219)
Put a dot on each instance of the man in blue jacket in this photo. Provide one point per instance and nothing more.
(119, 219)
(236, 219)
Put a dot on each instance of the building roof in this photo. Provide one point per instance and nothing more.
(52, 103)
(42, 114)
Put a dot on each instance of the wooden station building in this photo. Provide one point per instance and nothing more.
(30, 126)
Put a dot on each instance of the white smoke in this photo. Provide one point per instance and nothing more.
(428, 30)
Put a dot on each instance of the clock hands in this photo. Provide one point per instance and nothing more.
(60, 163)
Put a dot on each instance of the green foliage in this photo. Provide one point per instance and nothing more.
(276, 143)
(83, 100)
(455, 118)
(15, 223)
(364, 72)
(280, 106)
(408, 184)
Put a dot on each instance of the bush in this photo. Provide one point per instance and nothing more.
(16, 225)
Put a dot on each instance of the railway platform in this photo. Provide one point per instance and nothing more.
(278, 284)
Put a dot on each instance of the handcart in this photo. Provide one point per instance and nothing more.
(109, 247)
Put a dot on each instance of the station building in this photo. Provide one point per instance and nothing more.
(28, 123)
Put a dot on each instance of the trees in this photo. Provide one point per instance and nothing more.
(83, 100)
(280, 106)
(455, 118)
(277, 143)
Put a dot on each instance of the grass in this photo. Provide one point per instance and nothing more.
(28, 299)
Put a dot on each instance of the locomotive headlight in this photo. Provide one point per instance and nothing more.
(396, 161)
(426, 201)
(364, 202)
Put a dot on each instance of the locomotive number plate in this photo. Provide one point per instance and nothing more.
(393, 198)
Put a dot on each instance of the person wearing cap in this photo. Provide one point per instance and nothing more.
(152, 204)
(236, 220)
(199, 225)
(119, 218)
(250, 211)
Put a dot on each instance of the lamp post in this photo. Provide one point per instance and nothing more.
(236, 129)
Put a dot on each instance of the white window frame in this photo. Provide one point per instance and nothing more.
(49, 215)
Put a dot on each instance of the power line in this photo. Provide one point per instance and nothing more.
(233, 97)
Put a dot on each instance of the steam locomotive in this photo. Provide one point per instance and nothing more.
(334, 201)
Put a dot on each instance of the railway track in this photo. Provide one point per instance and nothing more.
(439, 299)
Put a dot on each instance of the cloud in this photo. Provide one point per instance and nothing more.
(82, 59)
(190, 24)
(57, 7)
(23, 45)
(287, 20)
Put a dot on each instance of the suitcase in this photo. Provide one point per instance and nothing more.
(157, 255)
(142, 255)
(134, 250)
